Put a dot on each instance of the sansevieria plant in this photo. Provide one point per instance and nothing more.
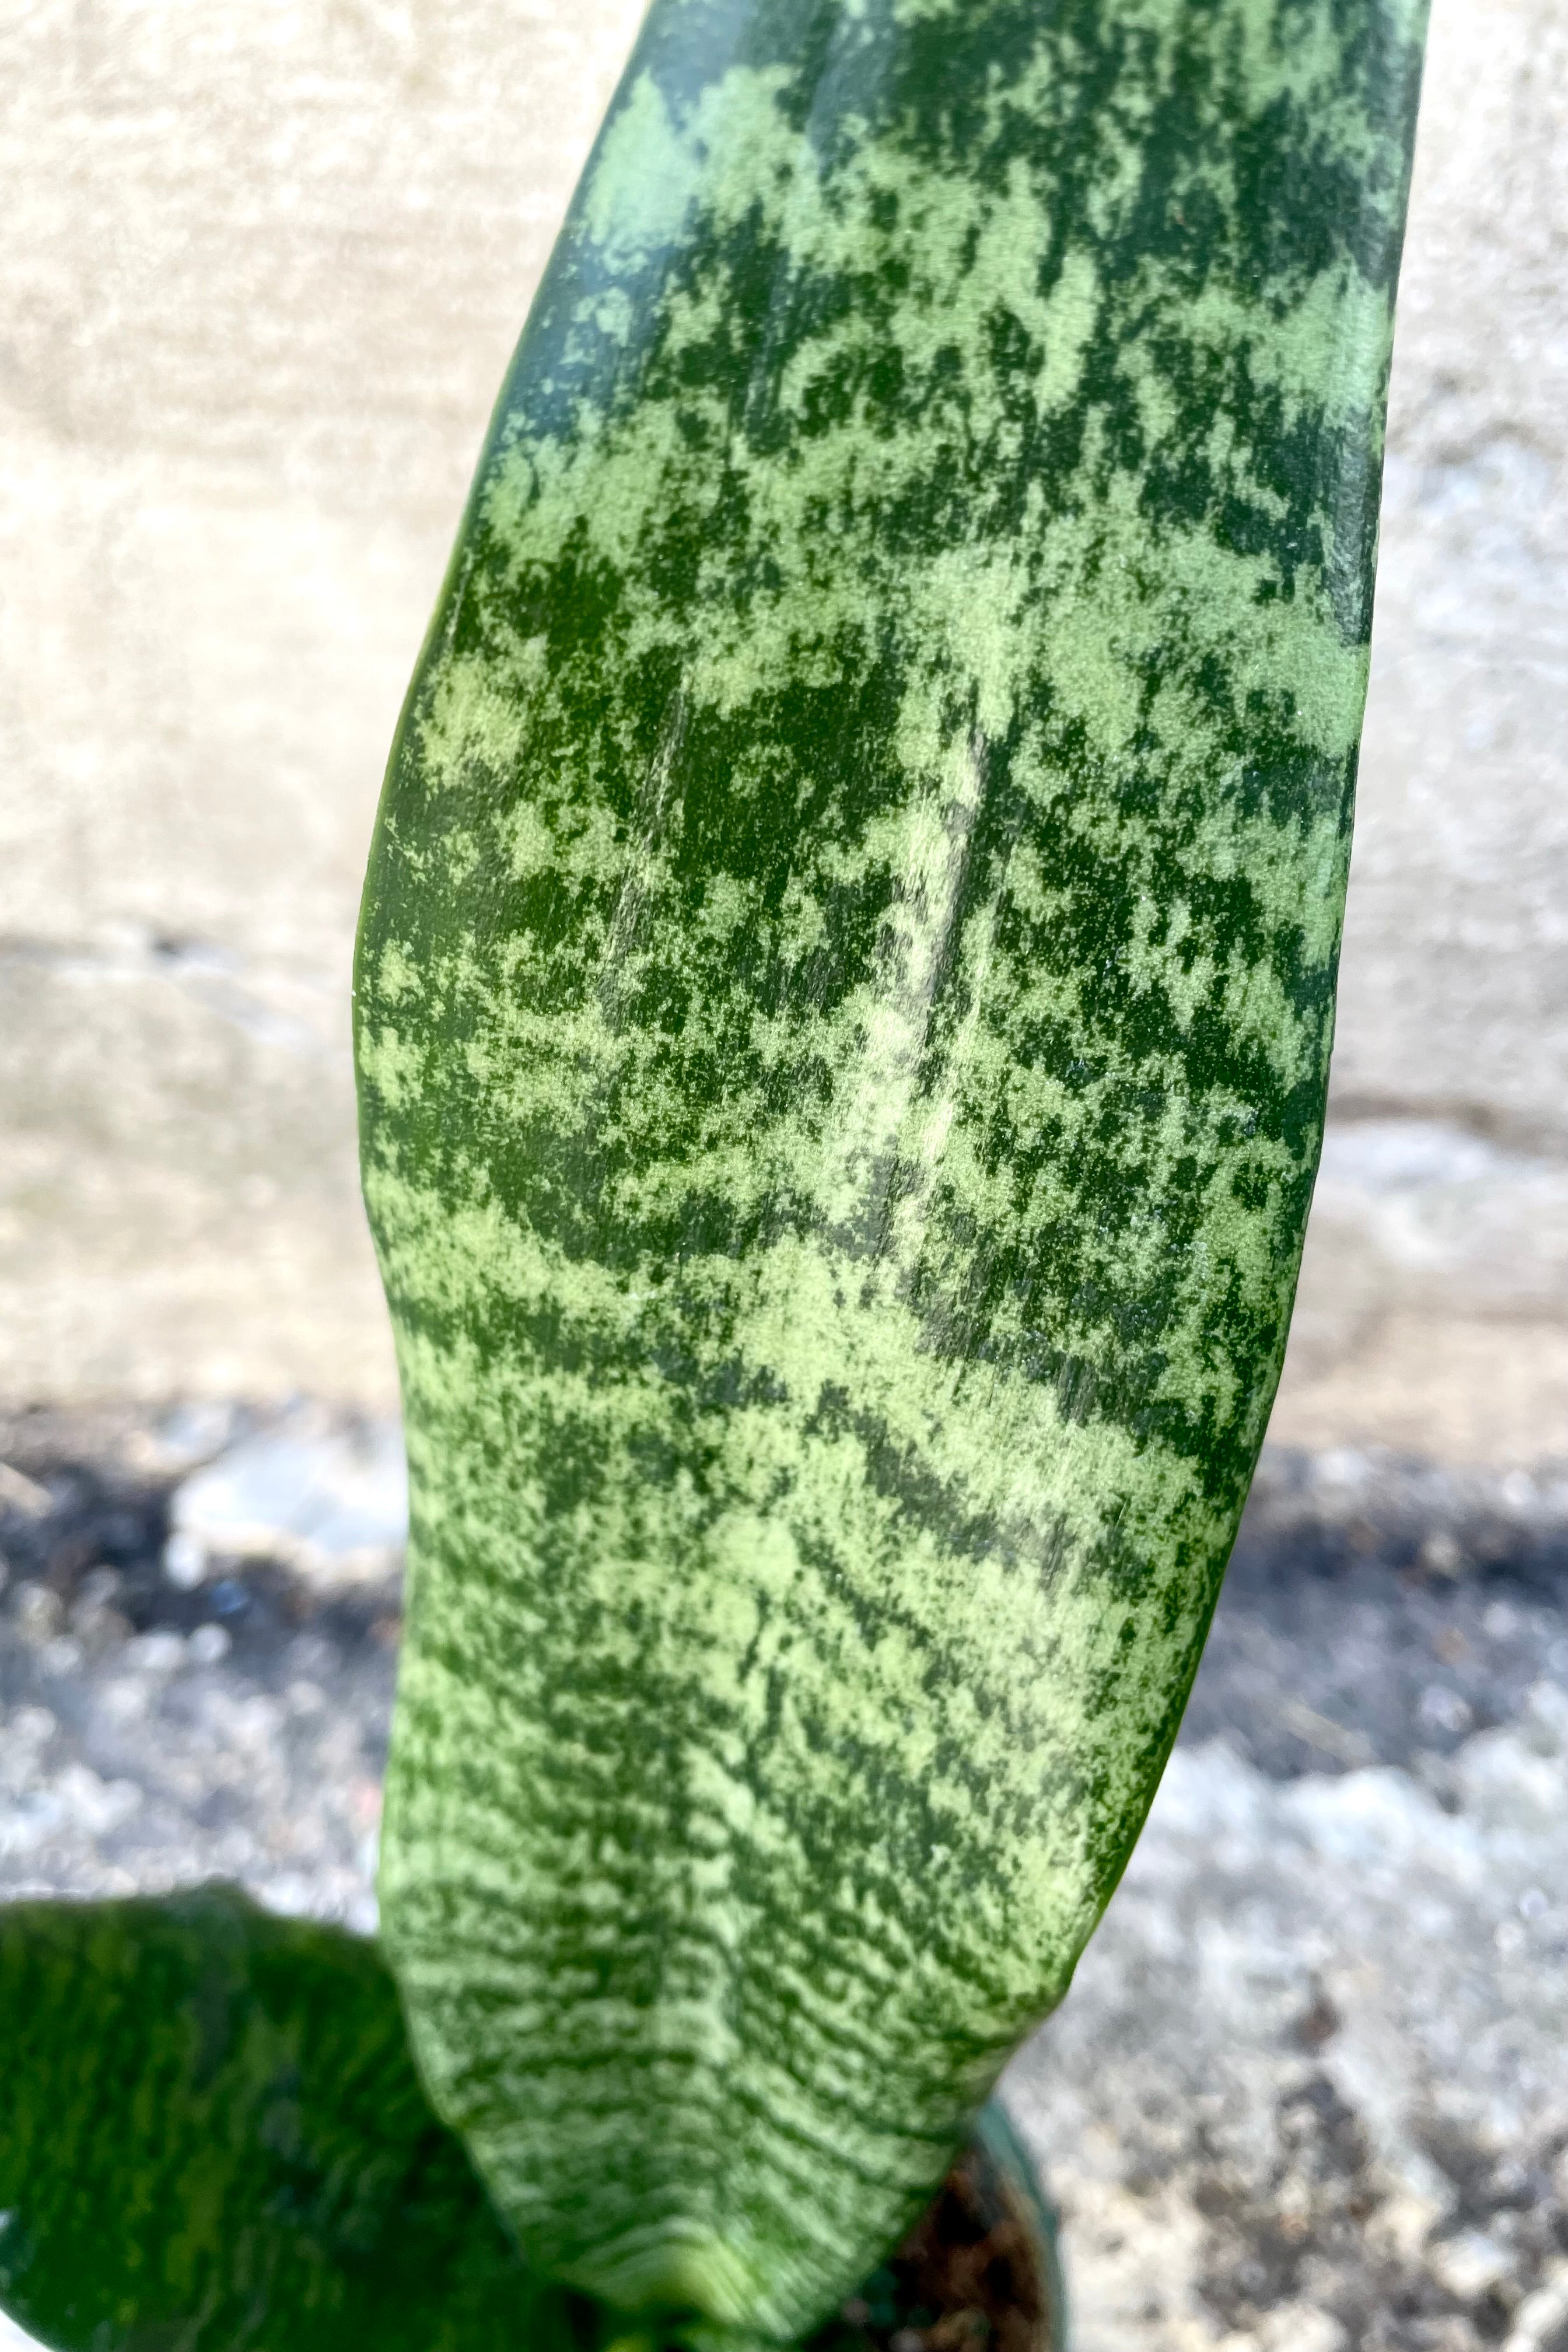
(844, 1001)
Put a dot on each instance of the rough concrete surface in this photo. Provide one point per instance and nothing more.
(1432, 1315)
(263, 269)
(1309, 2092)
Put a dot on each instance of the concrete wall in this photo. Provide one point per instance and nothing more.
(264, 263)
(1434, 1306)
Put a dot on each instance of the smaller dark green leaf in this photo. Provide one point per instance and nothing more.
(213, 2140)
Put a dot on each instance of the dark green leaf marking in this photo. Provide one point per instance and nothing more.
(213, 2140)
(844, 1008)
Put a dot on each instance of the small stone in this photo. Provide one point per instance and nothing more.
(1301, 2328)
(1471, 2265)
(1403, 2223)
(1444, 1710)
(1546, 1712)
(94, 1619)
(1341, 1469)
(1318, 2023)
(209, 1644)
(98, 1588)
(1441, 1554)
(96, 1806)
(22, 1495)
(185, 1561)
(157, 1653)
(31, 1727)
(329, 1500)
(38, 1611)
(1540, 2323)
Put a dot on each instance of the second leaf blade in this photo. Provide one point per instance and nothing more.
(213, 2140)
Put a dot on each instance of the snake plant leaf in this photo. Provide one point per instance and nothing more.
(213, 2140)
(844, 1001)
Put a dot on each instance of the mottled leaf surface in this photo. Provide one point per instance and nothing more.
(843, 1006)
(213, 2140)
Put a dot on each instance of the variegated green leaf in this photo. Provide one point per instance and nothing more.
(213, 2140)
(843, 1006)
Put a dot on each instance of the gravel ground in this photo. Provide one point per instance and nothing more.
(1309, 2092)
(154, 1733)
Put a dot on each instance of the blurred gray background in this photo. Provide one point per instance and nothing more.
(263, 264)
